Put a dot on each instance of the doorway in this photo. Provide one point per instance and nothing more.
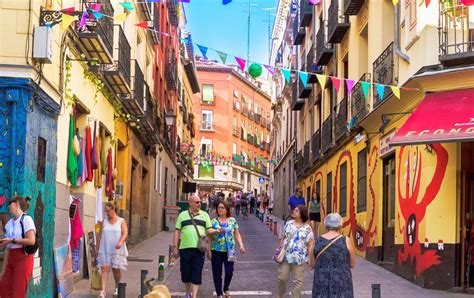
(466, 257)
(133, 183)
(388, 232)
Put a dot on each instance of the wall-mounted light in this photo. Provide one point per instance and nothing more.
(170, 118)
(386, 120)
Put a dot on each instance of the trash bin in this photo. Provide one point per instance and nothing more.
(184, 205)
(171, 214)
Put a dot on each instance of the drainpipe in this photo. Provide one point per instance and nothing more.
(396, 38)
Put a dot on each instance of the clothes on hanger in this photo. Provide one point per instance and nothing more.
(99, 215)
(88, 154)
(72, 172)
(76, 225)
(109, 179)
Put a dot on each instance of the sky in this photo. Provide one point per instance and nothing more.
(224, 27)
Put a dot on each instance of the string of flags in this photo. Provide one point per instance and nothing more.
(211, 158)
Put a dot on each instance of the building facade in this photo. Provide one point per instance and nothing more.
(106, 80)
(402, 182)
(232, 131)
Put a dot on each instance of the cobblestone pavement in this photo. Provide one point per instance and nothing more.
(255, 273)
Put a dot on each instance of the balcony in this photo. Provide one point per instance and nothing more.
(244, 110)
(360, 107)
(249, 138)
(235, 131)
(149, 122)
(306, 14)
(236, 106)
(257, 118)
(324, 51)
(338, 23)
(352, 7)
(306, 155)
(146, 8)
(134, 102)
(326, 140)
(251, 115)
(171, 72)
(312, 67)
(117, 75)
(172, 12)
(299, 163)
(153, 34)
(316, 146)
(298, 33)
(384, 73)
(456, 38)
(96, 37)
(242, 134)
(304, 92)
(296, 102)
(340, 125)
(256, 142)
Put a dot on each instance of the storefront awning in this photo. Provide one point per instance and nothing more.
(441, 117)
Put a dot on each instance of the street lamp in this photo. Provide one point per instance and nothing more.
(170, 117)
(191, 148)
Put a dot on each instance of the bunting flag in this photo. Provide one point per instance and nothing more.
(380, 90)
(395, 2)
(121, 17)
(203, 50)
(270, 69)
(350, 84)
(66, 21)
(185, 40)
(336, 83)
(322, 80)
(365, 88)
(223, 56)
(95, 6)
(395, 91)
(427, 2)
(143, 25)
(127, 5)
(303, 77)
(97, 15)
(83, 21)
(241, 62)
(287, 74)
(314, 2)
(225, 2)
(465, 2)
(68, 10)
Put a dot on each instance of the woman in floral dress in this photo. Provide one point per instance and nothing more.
(298, 241)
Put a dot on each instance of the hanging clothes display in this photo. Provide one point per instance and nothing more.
(76, 225)
(103, 151)
(98, 171)
(72, 173)
(98, 206)
(88, 154)
(109, 179)
(94, 156)
(80, 159)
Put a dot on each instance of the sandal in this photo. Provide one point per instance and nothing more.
(227, 294)
(102, 294)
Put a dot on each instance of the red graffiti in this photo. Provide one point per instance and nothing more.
(361, 236)
(413, 211)
(3, 199)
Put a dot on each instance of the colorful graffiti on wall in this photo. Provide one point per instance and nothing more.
(413, 208)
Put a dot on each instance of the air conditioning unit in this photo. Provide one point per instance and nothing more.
(43, 44)
(119, 189)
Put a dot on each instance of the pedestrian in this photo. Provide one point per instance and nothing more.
(259, 203)
(298, 242)
(266, 202)
(205, 202)
(237, 204)
(252, 204)
(270, 206)
(314, 207)
(17, 265)
(333, 258)
(192, 259)
(223, 248)
(295, 200)
(112, 250)
(230, 200)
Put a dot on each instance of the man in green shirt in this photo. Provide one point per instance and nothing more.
(192, 260)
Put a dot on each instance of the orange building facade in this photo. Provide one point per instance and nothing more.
(232, 121)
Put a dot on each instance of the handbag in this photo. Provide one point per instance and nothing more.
(203, 243)
(96, 280)
(327, 246)
(280, 252)
(29, 249)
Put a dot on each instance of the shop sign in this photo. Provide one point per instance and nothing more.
(385, 148)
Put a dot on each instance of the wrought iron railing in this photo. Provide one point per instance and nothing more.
(124, 62)
(326, 140)
(340, 125)
(306, 13)
(337, 22)
(352, 7)
(172, 12)
(323, 48)
(360, 105)
(310, 65)
(306, 155)
(249, 138)
(316, 146)
(384, 73)
(138, 84)
(104, 27)
(299, 163)
(171, 70)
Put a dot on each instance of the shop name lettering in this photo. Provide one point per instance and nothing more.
(441, 131)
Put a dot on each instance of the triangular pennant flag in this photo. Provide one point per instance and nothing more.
(152, 1)
(270, 69)
(336, 83)
(121, 17)
(350, 84)
(303, 77)
(314, 2)
(395, 2)
(203, 50)
(143, 25)
(66, 21)
(241, 62)
(395, 91)
(68, 10)
(97, 15)
(127, 5)
(427, 2)
(185, 1)
(287, 74)
(225, 2)
(184, 39)
(223, 56)
(365, 88)
(380, 90)
(83, 21)
(322, 80)
(95, 6)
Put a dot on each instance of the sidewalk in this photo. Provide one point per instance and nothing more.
(143, 256)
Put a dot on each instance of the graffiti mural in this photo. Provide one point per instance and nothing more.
(359, 234)
(413, 208)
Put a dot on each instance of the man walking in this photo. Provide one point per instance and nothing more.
(296, 199)
(192, 260)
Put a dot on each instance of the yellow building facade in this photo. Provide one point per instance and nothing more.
(406, 200)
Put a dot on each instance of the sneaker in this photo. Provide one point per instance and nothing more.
(188, 296)
(116, 292)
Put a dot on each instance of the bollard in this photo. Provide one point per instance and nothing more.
(121, 290)
(376, 291)
(143, 289)
(275, 228)
(271, 224)
(161, 268)
(170, 256)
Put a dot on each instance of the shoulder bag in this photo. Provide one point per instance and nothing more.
(327, 246)
(203, 241)
(29, 249)
(280, 252)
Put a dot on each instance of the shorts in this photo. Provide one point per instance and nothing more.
(315, 217)
(191, 264)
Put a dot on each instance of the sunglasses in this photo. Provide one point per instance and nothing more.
(197, 202)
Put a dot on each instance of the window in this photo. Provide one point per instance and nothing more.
(206, 146)
(234, 148)
(161, 175)
(329, 193)
(157, 172)
(318, 187)
(41, 167)
(343, 190)
(207, 93)
(206, 120)
(235, 125)
(205, 171)
(362, 181)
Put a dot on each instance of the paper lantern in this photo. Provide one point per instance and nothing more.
(255, 70)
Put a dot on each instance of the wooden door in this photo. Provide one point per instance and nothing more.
(388, 235)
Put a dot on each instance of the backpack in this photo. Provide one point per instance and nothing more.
(29, 249)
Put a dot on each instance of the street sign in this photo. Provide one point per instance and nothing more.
(261, 180)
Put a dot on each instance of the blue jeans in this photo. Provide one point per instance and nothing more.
(237, 210)
(218, 259)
